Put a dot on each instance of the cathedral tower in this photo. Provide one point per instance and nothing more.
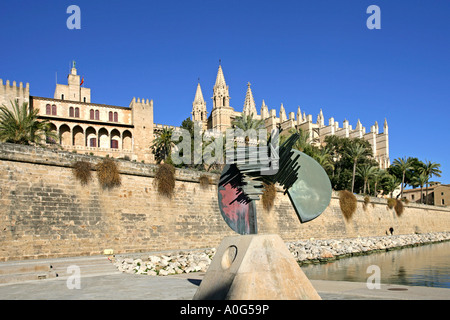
(222, 112)
(249, 104)
(199, 112)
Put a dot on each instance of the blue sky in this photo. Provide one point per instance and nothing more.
(313, 54)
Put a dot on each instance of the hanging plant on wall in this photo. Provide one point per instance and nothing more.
(82, 171)
(391, 203)
(165, 179)
(268, 196)
(108, 174)
(399, 208)
(366, 202)
(204, 181)
(347, 202)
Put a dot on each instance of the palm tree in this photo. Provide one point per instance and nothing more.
(247, 122)
(323, 157)
(378, 176)
(391, 183)
(419, 181)
(302, 142)
(403, 164)
(366, 172)
(20, 125)
(162, 145)
(430, 169)
(355, 151)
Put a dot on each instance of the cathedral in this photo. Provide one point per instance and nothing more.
(128, 131)
(222, 116)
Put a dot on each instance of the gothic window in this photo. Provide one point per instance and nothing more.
(71, 113)
(62, 97)
(77, 112)
(48, 109)
(84, 99)
(116, 119)
(53, 110)
(97, 115)
(110, 114)
(91, 114)
(223, 102)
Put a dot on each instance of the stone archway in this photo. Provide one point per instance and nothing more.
(103, 138)
(91, 137)
(65, 135)
(77, 136)
(127, 140)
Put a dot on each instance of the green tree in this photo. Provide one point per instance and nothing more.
(377, 179)
(162, 145)
(403, 165)
(366, 172)
(390, 183)
(420, 181)
(430, 169)
(355, 151)
(247, 122)
(341, 176)
(302, 142)
(323, 157)
(22, 126)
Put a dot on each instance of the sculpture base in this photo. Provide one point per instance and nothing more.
(254, 267)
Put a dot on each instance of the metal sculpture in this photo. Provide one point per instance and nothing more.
(241, 184)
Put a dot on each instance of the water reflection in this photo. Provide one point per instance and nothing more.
(427, 266)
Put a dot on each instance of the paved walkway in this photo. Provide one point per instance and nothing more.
(123, 286)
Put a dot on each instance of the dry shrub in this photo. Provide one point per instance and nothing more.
(82, 171)
(347, 202)
(204, 181)
(108, 174)
(391, 202)
(165, 179)
(366, 202)
(399, 208)
(268, 196)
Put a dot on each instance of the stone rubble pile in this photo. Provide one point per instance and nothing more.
(167, 263)
(304, 251)
(313, 251)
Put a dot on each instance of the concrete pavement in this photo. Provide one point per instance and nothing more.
(122, 286)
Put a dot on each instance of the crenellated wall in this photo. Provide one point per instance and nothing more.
(11, 92)
(46, 212)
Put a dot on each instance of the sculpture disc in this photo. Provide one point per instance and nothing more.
(240, 215)
(311, 193)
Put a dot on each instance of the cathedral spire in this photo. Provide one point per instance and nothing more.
(282, 114)
(199, 112)
(249, 104)
(220, 79)
(221, 97)
(264, 111)
(199, 94)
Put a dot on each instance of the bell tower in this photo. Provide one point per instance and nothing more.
(73, 91)
(222, 112)
(199, 112)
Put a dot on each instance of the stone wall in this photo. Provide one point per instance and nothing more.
(46, 212)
